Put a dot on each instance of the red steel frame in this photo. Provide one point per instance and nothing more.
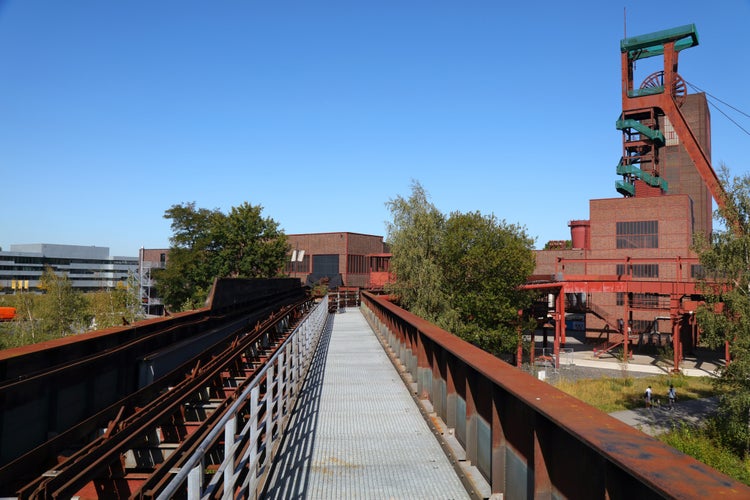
(681, 286)
(666, 102)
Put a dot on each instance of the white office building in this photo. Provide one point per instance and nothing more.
(88, 268)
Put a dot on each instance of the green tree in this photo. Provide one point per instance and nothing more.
(462, 273)
(110, 308)
(207, 244)
(23, 330)
(725, 317)
(251, 246)
(414, 236)
(192, 265)
(61, 310)
(484, 262)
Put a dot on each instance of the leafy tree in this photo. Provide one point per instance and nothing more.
(251, 246)
(414, 236)
(462, 272)
(192, 264)
(23, 330)
(113, 307)
(207, 244)
(726, 315)
(60, 309)
(484, 261)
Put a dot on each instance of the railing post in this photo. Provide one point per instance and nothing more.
(424, 368)
(195, 482)
(281, 384)
(471, 416)
(230, 431)
(253, 444)
(497, 477)
(268, 422)
(542, 482)
(451, 398)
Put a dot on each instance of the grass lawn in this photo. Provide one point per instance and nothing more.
(615, 394)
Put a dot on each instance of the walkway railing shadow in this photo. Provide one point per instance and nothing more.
(289, 475)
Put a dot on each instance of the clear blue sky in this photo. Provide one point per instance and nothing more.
(322, 111)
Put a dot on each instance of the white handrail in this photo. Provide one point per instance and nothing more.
(304, 338)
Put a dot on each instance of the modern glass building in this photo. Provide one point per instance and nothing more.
(88, 268)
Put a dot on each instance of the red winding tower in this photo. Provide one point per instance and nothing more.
(631, 273)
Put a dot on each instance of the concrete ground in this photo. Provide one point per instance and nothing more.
(579, 353)
(577, 360)
(654, 421)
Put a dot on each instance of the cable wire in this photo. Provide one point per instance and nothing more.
(714, 97)
(695, 87)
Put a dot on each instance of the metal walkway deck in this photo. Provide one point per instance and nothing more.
(356, 432)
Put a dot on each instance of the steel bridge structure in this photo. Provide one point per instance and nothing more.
(207, 413)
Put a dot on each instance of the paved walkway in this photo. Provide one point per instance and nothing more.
(659, 419)
(580, 353)
(356, 432)
(655, 421)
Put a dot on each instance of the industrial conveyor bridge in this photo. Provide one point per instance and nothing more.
(307, 402)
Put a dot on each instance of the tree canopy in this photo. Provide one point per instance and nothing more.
(725, 317)
(415, 237)
(208, 244)
(461, 272)
(61, 310)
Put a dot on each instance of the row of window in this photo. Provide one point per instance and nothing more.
(652, 270)
(69, 272)
(638, 270)
(644, 300)
(329, 264)
(637, 234)
(51, 261)
(299, 267)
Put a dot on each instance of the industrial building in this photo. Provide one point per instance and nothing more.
(88, 268)
(340, 259)
(150, 259)
(630, 270)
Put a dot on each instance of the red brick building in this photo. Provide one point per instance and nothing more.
(631, 266)
(344, 259)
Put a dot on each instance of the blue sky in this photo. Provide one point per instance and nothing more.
(322, 111)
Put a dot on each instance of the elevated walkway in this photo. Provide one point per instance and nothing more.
(356, 431)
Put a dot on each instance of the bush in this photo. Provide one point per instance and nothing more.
(700, 444)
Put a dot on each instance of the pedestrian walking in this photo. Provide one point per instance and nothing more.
(672, 396)
(647, 397)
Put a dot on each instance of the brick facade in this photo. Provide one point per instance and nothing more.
(684, 210)
(353, 252)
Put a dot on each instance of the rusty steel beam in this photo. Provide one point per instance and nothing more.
(99, 467)
(58, 393)
(543, 443)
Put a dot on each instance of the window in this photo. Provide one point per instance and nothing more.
(647, 301)
(638, 234)
(379, 264)
(327, 265)
(299, 267)
(644, 300)
(697, 272)
(356, 264)
(643, 326)
(639, 270)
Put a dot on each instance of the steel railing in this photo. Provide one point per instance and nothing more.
(249, 453)
(527, 438)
